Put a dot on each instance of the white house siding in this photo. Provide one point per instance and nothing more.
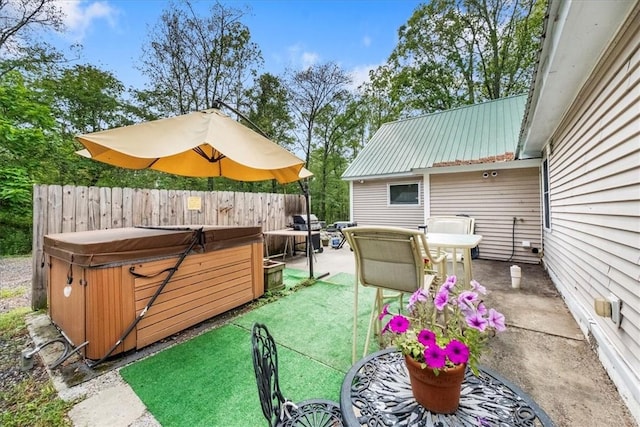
(494, 202)
(371, 207)
(593, 247)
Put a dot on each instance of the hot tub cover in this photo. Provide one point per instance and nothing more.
(115, 246)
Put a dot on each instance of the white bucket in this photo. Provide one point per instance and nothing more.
(516, 275)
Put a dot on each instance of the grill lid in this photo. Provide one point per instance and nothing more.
(302, 219)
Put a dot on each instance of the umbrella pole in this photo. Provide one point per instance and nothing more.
(303, 185)
(305, 191)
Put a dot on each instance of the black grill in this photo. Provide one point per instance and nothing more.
(300, 223)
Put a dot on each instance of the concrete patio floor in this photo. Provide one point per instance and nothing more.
(542, 351)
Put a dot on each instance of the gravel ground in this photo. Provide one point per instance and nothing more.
(15, 277)
(15, 273)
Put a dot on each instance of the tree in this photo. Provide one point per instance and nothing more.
(87, 99)
(192, 61)
(311, 91)
(268, 110)
(19, 22)
(454, 52)
(338, 129)
(27, 140)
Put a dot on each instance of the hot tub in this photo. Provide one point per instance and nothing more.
(100, 281)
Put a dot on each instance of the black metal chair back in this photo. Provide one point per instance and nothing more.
(265, 365)
(278, 410)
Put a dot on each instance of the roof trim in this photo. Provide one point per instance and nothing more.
(562, 69)
(513, 164)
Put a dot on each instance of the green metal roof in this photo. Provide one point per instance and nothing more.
(480, 133)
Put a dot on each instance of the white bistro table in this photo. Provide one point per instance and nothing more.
(455, 242)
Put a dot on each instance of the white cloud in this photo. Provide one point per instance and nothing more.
(309, 58)
(360, 74)
(366, 41)
(79, 16)
(299, 58)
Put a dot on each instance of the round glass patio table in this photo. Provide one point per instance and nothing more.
(376, 392)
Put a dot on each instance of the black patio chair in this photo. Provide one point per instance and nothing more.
(278, 410)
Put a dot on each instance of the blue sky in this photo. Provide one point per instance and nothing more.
(357, 34)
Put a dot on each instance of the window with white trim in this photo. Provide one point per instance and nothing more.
(404, 194)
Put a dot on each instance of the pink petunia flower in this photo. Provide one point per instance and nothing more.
(476, 286)
(457, 352)
(419, 295)
(481, 309)
(435, 357)
(449, 284)
(466, 307)
(496, 320)
(441, 300)
(426, 337)
(384, 312)
(476, 321)
(467, 297)
(399, 324)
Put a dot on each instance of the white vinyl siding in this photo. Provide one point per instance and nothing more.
(371, 204)
(593, 247)
(494, 202)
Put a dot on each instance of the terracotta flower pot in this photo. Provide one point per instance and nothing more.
(439, 394)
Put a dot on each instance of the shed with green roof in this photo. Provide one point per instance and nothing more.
(456, 162)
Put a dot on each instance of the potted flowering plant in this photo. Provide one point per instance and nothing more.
(442, 332)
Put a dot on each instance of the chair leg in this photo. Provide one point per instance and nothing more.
(372, 319)
(354, 351)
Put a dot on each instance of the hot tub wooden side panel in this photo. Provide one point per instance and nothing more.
(98, 309)
(110, 309)
(67, 312)
(204, 286)
(257, 268)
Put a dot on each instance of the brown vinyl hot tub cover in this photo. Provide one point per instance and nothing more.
(114, 246)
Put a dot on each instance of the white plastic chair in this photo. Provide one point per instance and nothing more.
(389, 258)
(451, 225)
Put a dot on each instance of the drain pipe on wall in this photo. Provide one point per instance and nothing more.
(513, 238)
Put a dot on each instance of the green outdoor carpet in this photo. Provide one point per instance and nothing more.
(292, 277)
(209, 380)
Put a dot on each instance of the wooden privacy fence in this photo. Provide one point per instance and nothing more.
(63, 209)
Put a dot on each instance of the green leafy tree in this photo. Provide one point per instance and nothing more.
(27, 140)
(455, 52)
(192, 61)
(88, 99)
(338, 126)
(268, 110)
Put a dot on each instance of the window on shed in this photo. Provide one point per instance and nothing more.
(404, 194)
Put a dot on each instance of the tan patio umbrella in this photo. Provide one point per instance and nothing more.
(201, 144)
(205, 143)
